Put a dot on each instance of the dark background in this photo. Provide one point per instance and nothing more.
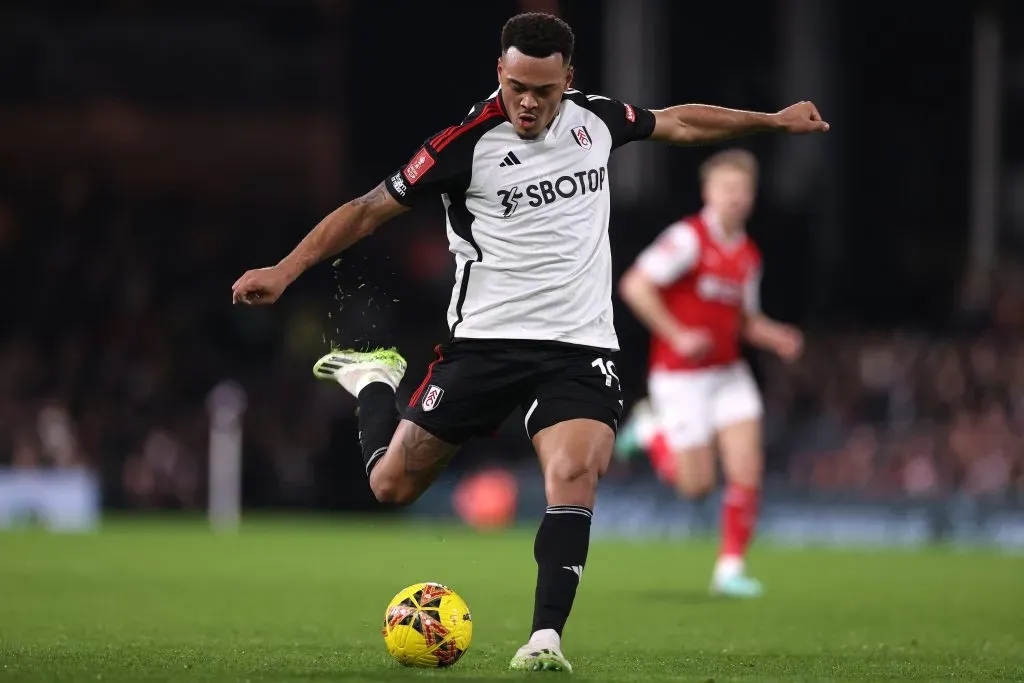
(150, 153)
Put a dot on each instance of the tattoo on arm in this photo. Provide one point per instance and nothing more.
(377, 195)
(342, 228)
(423, 453)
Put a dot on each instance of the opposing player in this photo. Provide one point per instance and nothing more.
(696, 288)
(524, 182)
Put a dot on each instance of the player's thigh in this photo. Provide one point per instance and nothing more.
(738, 412)
(412, 462)
(467, 392)
(681, 403)
(571, 418)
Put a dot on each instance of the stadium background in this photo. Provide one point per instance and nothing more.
(150, 153)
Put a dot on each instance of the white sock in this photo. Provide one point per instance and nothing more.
(728, 566)
(369, 378)
(546, 638)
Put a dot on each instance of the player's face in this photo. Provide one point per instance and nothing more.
(531, 89)
(729, 192)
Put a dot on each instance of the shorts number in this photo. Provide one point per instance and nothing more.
(607, 369)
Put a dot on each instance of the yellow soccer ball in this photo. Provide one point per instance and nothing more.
(427, 625)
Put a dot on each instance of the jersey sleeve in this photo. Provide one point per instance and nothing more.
(626, 122)
(672, 255)
(752, 292)
(434, 169)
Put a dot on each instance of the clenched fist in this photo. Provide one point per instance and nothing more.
(260, 287)
(693, 344)
(790, 344)
(802, 117)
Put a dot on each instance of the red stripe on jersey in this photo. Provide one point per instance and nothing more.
(501, 104)
(441, 136)
(443, 139)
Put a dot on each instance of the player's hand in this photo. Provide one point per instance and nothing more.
(692, 344)
(260, 287)
(790, 345)
(802, 117)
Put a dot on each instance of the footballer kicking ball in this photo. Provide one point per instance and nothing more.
(427, 625)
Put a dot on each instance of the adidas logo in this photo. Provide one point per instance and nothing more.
(510, 160)
(576, 569)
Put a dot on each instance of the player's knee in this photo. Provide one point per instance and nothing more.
(391, 489)
(695, 488)
(572, 477)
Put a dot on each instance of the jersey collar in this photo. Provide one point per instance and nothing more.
(501, 104)
(717, 232)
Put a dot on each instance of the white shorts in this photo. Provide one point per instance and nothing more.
(692, 405)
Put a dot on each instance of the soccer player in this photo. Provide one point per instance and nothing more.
(696, 288)
(524, 182)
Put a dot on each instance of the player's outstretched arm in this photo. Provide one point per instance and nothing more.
(338, 231)
(700, 124)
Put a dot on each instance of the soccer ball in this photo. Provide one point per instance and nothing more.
(427, 625)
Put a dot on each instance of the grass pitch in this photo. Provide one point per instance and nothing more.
(304, 601)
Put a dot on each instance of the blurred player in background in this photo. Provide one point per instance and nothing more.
(696, 288)
(523, 180)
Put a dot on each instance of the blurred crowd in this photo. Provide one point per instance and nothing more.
(900, 414)
(121, 325)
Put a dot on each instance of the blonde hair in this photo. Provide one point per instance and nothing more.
(731, 158)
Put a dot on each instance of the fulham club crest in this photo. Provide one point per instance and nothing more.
(431, 397)
(582, 137)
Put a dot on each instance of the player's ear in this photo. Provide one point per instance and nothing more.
(499, 69)
(568, 77)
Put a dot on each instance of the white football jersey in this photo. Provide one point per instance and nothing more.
(528, 219)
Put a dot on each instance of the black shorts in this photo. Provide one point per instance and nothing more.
(475, 384)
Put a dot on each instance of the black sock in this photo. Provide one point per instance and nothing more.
(561, 552)
(378, 418)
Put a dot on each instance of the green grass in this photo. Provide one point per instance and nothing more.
(304, 601)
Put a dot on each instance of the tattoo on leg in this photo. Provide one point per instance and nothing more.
(423, 453)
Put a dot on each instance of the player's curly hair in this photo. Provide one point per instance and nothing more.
(537, 34)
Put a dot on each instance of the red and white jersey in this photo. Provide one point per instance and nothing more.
(706, 281)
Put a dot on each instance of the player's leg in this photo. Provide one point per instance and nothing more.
(573, 455)
(401, 459)
(572, 426)
(641, 433)
(638, 431)
(458, 398)
(663, 460)
(738, 411)
(413, 459)
(695, 470)
(683, 450)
